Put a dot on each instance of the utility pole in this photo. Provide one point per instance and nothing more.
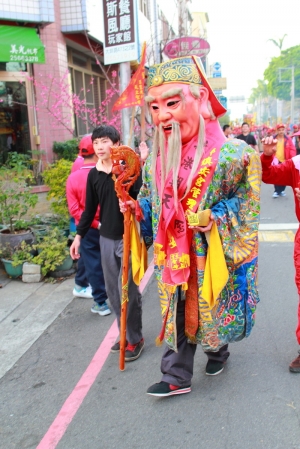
(125, 73)
(292, 96)
(292, 81)
(156, 41)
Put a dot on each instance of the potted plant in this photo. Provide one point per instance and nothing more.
(53, 252)
(16, 199)
(14, 258)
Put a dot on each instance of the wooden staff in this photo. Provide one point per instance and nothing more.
(131, 125)
(127, 173)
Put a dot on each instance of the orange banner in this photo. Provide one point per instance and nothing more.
(133, 95)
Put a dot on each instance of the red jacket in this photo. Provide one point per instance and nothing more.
(76, 193)
(289, 148)
(285, 174)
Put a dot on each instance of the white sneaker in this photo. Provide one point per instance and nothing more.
(282, 194)
(103, 310)
(275, 195)
(83, 292)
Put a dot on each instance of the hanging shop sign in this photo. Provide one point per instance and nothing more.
(188, 45)
(21, 44)
(120, 40)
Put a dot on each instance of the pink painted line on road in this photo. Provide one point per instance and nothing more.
(73, 402)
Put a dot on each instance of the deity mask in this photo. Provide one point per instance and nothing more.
(184, 70)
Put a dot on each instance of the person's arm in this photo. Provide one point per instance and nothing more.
(145, 202)
(280, 174)
(291, 149)
(91, 204)
(73, 201)
(237, 214)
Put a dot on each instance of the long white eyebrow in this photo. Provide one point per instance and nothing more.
(149, 99)
(170, 93)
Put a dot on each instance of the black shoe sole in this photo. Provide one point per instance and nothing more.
(171, 393)
(294, 370)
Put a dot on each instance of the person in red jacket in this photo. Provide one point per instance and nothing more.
(288, 174)
(90, 246)
(285, 149)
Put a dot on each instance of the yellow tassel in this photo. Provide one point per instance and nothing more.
(158, 341)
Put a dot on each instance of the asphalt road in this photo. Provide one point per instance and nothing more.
(253, 404)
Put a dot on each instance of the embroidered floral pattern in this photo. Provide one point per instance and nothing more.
(233, 197)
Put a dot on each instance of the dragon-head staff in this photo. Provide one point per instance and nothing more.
(126, 165)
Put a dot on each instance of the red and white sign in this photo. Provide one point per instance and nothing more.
(185, 46)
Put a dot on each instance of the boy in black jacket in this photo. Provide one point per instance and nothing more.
(101, 190)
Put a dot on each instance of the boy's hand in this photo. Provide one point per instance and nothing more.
(269, 146)
(74, 248)
(124, 206)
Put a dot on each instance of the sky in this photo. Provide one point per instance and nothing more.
(238, 34)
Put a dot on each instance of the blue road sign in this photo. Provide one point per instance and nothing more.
(217, 75)
(223, 101)
(217, 66)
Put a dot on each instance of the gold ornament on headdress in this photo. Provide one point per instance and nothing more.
(179, 70)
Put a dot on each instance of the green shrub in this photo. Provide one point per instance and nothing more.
(55, 177)
(15, 196)
(53, 250)
(67, 150)
(18, 255)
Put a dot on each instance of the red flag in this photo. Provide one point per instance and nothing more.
(133, 95)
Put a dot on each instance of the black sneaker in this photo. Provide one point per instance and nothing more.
(213, 367)
(133, 352)
(116, 347)
(164, 389)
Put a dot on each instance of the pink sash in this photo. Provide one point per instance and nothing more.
(173, 240)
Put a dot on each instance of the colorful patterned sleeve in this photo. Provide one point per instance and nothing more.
(145, 202)
(237, 213)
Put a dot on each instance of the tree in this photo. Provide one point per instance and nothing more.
(288, 58)
(259, 92)
(278, 43)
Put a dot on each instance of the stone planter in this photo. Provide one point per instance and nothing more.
(14, 239)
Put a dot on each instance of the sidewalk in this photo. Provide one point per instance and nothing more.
(26, 311)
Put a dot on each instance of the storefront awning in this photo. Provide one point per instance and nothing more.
(21, 44)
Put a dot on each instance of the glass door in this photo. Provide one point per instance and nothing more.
(14, 119)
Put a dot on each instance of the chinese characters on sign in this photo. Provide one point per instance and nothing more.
(119, 25)
(22, 54)
(187, 46)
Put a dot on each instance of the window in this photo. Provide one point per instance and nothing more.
(90, 87)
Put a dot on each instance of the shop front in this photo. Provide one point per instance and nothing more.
(20, 48)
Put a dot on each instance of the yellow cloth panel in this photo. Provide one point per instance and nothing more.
(139, 258)
(216, 272)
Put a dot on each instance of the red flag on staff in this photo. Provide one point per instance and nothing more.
(133, 95)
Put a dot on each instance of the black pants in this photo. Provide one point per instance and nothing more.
(177, 367)
(279, 189)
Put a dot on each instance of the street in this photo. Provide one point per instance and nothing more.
(66, 393)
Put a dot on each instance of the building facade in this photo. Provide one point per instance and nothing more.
(63, 58)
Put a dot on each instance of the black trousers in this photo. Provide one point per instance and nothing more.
(177, 367)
